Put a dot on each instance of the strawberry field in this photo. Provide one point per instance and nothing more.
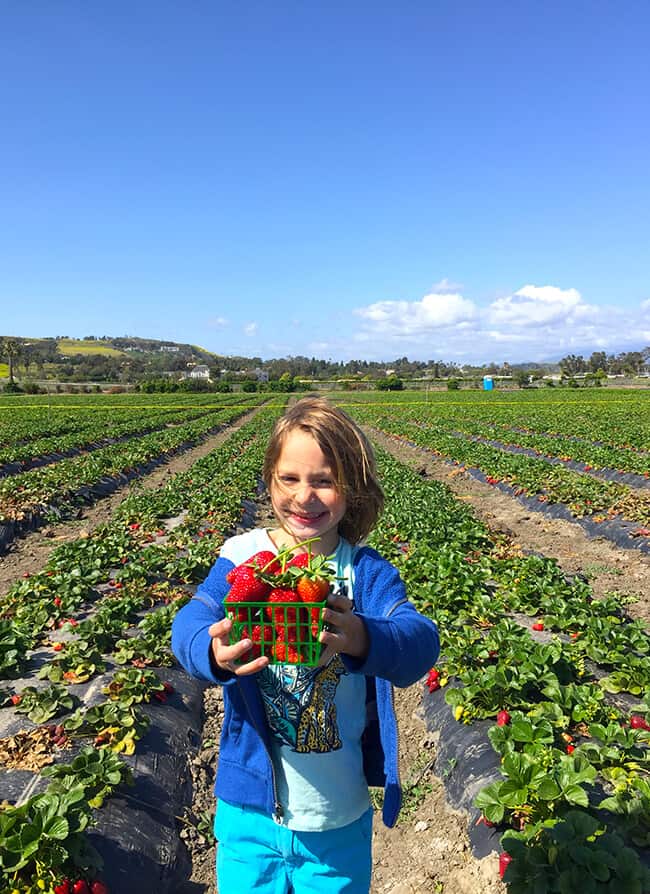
(541, 696)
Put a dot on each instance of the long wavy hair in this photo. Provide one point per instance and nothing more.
(347, 451)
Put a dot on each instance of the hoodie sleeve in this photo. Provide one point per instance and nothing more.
(191, 642)
(404, 644)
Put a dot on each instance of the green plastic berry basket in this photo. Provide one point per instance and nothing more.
(285, 632)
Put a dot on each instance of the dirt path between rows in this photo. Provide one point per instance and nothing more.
(30, 552)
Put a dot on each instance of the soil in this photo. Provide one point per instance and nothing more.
(428, 852)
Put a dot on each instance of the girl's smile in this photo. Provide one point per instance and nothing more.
(304, 495)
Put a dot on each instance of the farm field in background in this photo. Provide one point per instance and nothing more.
(557, 682)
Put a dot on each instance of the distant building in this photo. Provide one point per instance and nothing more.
(200, 371)
(169, 349)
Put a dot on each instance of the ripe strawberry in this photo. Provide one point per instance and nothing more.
(169, 689)
(286, 653)
(247, 587)
(638, 722)
(434, 685)
(503, 718)
(504, 860)
(98, 888)
(299, 561)
(570, 749)
(57, 647)
(16, 699)
(312, 589)
(262, 638)
(80, 887)
(264, 561)
(281, 616)
(57, 601)
(63, 887)
(538, 626)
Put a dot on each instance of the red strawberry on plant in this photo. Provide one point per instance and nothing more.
(503, 718)
(80, 887)
(638, 722)
(63, 888)
(538, 626)
(98, 888)
(504, 861)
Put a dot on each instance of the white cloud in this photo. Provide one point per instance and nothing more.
(250, 329)
(446, 285)
(538, 306)
(217, 323)
(533, 323)
(401, 318)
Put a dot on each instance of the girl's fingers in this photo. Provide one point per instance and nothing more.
(220, 628)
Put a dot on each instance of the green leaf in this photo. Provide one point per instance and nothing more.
(57, 827)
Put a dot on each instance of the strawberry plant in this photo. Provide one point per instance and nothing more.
(112, 726)
(41, 705)
(132, 685)
(572, 853)
(13, 646)
(99, 771)
(45, 834)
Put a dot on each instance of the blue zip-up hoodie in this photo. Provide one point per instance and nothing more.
(403, 646)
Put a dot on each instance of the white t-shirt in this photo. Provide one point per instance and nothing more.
(317, 716)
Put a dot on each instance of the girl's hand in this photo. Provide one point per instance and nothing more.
(225, 655)
(347, 631)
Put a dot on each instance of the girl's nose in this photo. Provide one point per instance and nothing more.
(305, 494)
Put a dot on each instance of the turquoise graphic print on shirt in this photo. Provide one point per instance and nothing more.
(300, 708)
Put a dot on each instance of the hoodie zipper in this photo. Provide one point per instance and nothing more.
(278, 809)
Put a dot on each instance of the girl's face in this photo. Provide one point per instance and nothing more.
(304, 496)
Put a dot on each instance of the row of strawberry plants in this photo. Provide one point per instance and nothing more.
(59, 484)
(558, 731)
(101, 429)
(617, 419)
(582, 494)
(116, 573)
(25, 424)
(593, 456)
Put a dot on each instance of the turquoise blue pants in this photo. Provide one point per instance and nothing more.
(254, 854)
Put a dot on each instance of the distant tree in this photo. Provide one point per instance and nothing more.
(570, 365)
(390, 383)
(598, 360)
(522, 378)
(11, 349)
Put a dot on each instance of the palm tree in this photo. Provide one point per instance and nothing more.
(10, 349)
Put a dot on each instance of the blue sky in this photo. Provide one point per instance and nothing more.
(459, 181)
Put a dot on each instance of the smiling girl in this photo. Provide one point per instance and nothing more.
(300, 745)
